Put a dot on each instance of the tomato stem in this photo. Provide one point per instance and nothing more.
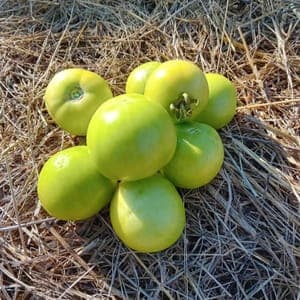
(76, 93)
(182, 108)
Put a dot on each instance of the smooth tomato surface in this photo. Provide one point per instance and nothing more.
(222, 101)
(137, 78)
(70, 187)
(173, 79)
(130, 137)
(198, 158)
(147, 215)
(73, 95)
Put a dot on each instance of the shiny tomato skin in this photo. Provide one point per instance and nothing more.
(198, 158)
(130, 137)
(73, 95)
(167, 83)
(71, 188)
(222, 101)
(138, 76)
(147, 215)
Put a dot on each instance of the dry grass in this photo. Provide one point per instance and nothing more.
(242, 236)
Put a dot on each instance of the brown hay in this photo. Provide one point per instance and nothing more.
(242, 235)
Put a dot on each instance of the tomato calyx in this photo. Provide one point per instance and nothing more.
(76, 93)
(182, 108)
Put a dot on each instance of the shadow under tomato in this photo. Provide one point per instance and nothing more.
(228, 240)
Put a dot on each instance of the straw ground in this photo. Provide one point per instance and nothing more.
(242, 235)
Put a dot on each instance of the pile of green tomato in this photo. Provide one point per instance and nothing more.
(140, 147)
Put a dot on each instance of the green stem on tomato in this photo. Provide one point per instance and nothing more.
(76, 93)
(182, 108)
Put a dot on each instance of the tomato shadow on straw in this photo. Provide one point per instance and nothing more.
(222, 224)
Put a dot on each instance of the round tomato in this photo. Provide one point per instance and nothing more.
(130, 137)
(137, 78)
(73, 95)
(147, 215)
(71, 188)
(198, 158)
(180, 87)
(221, 102)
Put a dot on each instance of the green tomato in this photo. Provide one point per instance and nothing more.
(72, 97)
(71, 188)
(147, 215)
(180, 87)
(221, 103)
(137, 78)
(198, 158)
(130, 137)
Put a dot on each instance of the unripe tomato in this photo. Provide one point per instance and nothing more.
(180, 87)
(198, 158)
(70, 187)
(73, 95)
(147, 215)
(137, 78)
(130, 137)
(221, 102)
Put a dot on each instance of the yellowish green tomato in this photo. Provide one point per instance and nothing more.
(71, 188)
(137, 78)
(130, 137)
(180, 87)
(147, 215)
(198, 158)
(222, 100)
(73, 95)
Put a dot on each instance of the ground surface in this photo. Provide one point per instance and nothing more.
(242, 236)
